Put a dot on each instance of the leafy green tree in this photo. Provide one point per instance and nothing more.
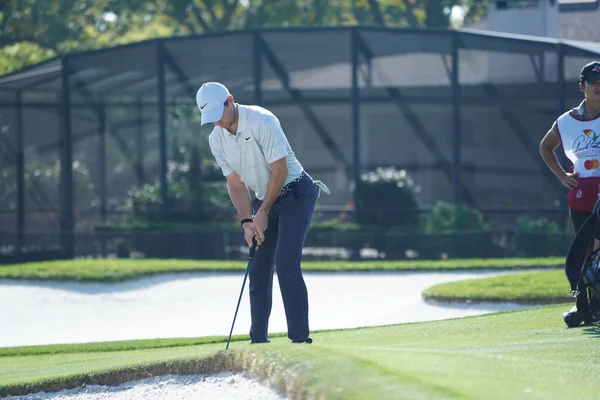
(34, 30)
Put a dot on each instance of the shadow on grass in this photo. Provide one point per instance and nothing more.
(592, 330)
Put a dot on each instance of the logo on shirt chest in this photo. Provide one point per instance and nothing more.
(589, 140)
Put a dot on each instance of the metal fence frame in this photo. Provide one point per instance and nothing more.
(359, 51)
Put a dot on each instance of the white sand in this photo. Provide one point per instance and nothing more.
(224, 386)
(203, 304)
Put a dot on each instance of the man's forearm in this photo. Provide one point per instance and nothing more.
(274, 186)
(551, 161)
(241, 199)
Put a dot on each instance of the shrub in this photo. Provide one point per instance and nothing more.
(458, 231)
(387, 198)
(447, 217)
(539, 238)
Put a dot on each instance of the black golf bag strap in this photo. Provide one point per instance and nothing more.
(576, 256)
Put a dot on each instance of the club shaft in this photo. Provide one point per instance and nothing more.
(238, 302)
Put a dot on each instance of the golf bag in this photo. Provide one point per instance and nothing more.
(583, 272)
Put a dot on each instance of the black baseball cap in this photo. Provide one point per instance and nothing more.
(590, 72)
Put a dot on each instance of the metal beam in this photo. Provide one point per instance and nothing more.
(257, 67)
(67, 224)
(20, 168)
(561, 104)
(162, 126)
(538, 67)
(356, 161)
(521, 133)
(179, 73)
(456, 123)
(329, 99)
(102, 162)
(102, 174)
(447, 65)
(298, 99)
(99, 108)
(115, 127)
(139, 144)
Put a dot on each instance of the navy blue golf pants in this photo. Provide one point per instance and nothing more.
(289, 220)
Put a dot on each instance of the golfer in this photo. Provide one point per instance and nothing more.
(249, 145)
(579, 132)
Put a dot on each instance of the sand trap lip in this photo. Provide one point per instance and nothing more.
(225, 385)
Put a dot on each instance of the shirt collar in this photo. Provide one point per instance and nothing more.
(581, 110)
(242, 115)
(582, 113)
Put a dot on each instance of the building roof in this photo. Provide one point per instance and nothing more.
(580, 24)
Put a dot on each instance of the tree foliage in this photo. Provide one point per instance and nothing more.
(33, 30)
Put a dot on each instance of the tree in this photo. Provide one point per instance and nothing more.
(34, 30)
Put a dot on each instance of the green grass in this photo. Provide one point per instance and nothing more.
(520, 287)
(527, 354)
(97, 347)
(122, 269)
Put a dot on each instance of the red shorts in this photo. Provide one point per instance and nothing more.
(584, 196)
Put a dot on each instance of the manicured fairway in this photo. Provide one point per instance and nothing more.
(521, 354)
(121, 269)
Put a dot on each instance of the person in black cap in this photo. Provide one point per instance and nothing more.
(578, 130)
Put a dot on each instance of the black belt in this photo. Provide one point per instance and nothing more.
(288, 187)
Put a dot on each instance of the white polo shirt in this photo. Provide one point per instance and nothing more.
(259, 141)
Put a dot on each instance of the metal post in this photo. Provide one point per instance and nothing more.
(20, 165)
(561, 79)
(356, 162)
(66, 165)
(162, 127)
(561, 104)
(102, 160)
(456, 122)
(139, 143)
(102, 174)
(257, 68)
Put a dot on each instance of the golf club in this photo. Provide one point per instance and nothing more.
(250, 255)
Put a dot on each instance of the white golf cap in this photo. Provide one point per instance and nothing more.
(211, 101)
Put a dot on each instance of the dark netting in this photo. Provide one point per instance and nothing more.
(406, 113)
(508, 94)
(129, 70)
(310, 138)
(44, 76)
(397, 59)
(87, 158)
(193, 61)
(41, 126)
(508, 103)
(574, 61)
(415, 136)
(132, 153)
(317, 66)
(8, 169)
